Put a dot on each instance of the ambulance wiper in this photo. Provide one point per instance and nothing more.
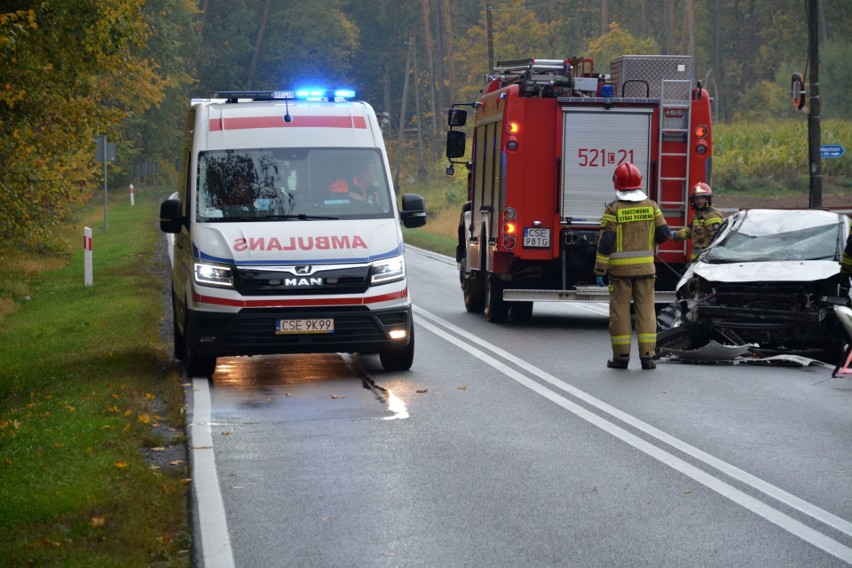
(300, 217)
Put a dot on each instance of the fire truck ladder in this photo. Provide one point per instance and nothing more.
(674, 131)
(533, 75)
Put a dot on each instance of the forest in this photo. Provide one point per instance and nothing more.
(75, 70)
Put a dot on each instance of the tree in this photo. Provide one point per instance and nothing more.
(71, 70)
(616, 42)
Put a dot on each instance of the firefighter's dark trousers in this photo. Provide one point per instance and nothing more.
(639, 290)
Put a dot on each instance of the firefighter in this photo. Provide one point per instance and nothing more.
(846, 259)
(705, 222)
(630, 227)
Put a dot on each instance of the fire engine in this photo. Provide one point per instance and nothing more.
(547, 136)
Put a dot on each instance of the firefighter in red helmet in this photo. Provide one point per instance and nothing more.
(705, 222)
(629, 228)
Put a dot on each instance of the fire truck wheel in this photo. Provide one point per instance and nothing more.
(474, 299)
(196, 365)
(520, 312)
(496, 309)
(399, 359)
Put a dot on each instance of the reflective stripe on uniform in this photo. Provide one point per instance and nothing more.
(647, 338)
(620, 340)
(645, 258)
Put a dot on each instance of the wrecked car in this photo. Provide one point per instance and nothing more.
(770, 279)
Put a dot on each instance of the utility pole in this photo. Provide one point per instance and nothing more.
(490, 40)
(814, 160)
(400, 137)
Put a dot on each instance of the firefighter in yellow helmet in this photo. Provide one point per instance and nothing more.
(630, 228)
(705, 222)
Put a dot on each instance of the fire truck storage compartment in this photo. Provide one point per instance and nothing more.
(595, 142)
(631, 72)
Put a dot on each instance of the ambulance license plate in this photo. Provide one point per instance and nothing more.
(301, 326)
(535, 237)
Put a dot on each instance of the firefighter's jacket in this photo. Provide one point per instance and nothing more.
(705, 225)
(846, 259)
(629, 232)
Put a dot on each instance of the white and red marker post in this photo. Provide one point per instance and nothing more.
(87, 256)
(132, 194)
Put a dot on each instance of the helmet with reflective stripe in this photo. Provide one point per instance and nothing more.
(700, 189)
(627, 177)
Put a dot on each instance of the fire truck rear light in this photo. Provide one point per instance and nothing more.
(701, 131)
(701, 149)
(508, 242)
(509, 213)
(509, 228)
(512, 145)
(513, 127)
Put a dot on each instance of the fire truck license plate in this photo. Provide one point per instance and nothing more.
(294, 326)
(536, 237)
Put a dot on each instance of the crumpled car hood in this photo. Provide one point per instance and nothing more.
(787, 271)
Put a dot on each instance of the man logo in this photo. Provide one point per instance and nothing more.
(304, 269)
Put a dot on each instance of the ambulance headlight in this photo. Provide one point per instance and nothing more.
(388, 270)
(214, 274)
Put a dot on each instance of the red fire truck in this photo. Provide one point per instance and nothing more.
(547, 137)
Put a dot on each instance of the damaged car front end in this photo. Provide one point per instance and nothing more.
(770, 279)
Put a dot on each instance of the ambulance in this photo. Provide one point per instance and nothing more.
(286, 232)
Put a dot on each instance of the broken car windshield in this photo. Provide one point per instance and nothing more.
(813, 243)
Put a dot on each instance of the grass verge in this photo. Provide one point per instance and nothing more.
(87, 384)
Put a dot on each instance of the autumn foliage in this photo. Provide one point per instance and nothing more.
(70, 71)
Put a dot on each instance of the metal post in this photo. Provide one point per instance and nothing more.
(490, 41)
(814, 159)
(87, 256)
(104, 142)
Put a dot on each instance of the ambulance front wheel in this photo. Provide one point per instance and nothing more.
(178, 340)
(196, 365)
(398, 358)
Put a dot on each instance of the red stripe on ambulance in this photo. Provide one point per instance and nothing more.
(245, 122)
(302, 302)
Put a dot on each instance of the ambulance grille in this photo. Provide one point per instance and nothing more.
(352, 326)
(340, 280)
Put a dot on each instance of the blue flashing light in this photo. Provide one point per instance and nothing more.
(315, 94)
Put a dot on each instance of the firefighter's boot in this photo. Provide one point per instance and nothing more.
(648, 363)
(618, 363)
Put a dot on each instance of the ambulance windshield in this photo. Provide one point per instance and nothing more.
(284, 184)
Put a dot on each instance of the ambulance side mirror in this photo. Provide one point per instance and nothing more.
(413, 212)
(170, 216)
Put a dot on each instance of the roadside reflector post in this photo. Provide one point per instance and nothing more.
(87, 256)
(132, 193)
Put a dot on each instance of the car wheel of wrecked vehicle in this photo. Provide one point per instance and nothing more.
(196, 365)
(399, 359)
(667, 315)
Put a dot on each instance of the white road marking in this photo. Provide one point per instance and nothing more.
(821, 541)
(215, 541)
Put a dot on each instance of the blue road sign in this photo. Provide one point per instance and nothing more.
(831, 151)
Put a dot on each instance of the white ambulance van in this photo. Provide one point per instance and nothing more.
(286, 231)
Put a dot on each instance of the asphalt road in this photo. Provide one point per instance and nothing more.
(513, 445)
